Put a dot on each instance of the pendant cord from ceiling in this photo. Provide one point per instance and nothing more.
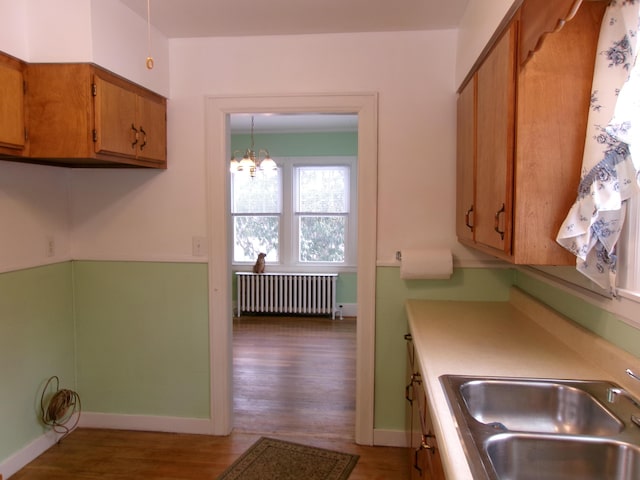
(149, 61)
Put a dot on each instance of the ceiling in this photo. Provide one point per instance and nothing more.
(215, 18)
(219, 18)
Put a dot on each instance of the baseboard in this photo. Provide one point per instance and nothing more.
(390, 438)
(27, 454)
(151, 423)
(348, 310)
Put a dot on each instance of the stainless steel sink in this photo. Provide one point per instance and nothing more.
(525, 428)
(529, 457)
(532, 406)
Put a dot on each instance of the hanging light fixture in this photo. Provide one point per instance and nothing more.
(251, 162)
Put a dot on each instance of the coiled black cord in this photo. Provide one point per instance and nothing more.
(61, 408)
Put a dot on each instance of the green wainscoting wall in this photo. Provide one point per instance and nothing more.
(133, 337)
(599, 321)
(36, 342)
(143, 338)
(391, 326)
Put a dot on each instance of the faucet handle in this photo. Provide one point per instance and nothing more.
(632, 375)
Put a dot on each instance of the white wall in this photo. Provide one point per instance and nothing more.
(120, 44)
(414, 76)
(13, 34)
(59, 31)
(103, 32)
(34, 207)
(480, 21)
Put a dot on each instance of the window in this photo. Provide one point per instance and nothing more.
(301, 215)
(629, 249)
(256, 207)
(322, 210)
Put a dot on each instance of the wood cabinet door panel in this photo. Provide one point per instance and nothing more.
(12, 118)
(465, 162)
(495, 144)
(115, 122)
(153, 130)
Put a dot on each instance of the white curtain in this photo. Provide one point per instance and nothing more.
(609, 172)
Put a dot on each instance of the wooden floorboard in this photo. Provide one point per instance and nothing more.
(294, 380)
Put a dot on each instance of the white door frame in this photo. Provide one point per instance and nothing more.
(217, 110)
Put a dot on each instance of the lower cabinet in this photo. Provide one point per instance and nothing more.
(424, 458)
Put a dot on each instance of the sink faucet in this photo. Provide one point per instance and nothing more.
(612, 394)
(632, 375)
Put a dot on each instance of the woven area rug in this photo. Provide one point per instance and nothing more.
(270, 459)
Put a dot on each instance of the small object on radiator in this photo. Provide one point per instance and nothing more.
(303, 293)
(259, 266)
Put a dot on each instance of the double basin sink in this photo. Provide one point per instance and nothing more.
(526, 428)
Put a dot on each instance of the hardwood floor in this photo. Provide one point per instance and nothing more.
(295, 375)
(294, 380)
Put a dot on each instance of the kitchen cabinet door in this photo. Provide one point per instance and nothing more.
(116, 128)
(12, 110)
(152, 127)
(465, 166)
(425, 462)
(495, 144)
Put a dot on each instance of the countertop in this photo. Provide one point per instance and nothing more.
(518, 338)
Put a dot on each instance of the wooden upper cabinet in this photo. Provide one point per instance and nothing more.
(465, 165)
(83, 115)
(129, 124)
(495, 140)
(12, 108)
(530, 127)
(539, 18)
(554, 96)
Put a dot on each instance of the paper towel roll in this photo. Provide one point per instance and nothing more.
(434, 263)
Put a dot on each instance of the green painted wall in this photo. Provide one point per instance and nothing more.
(140, 340)
(300, 144)
(143, 338)
(347, 288)
(391, 326)
(599, 321)
(36, 342)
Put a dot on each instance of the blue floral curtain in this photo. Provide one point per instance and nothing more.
(609, 172)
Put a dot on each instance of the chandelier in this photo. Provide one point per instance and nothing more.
(252, 162)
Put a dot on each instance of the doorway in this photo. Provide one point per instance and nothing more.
(294, 374)
(217, 114)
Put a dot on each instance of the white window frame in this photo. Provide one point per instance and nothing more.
(629, 252)
(288, 241)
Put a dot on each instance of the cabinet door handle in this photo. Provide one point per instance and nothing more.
(466, 218)
(144, 138)
(408, 392)
(496, 225)
(415, 460)
(135, 131)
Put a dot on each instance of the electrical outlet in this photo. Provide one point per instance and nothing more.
(51, 246)
(199, 246)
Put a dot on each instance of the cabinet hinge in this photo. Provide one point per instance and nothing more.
(24, 87)
(26, 134)
(95, 135)
(94, 89)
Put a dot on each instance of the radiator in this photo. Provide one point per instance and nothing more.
(298, 293)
